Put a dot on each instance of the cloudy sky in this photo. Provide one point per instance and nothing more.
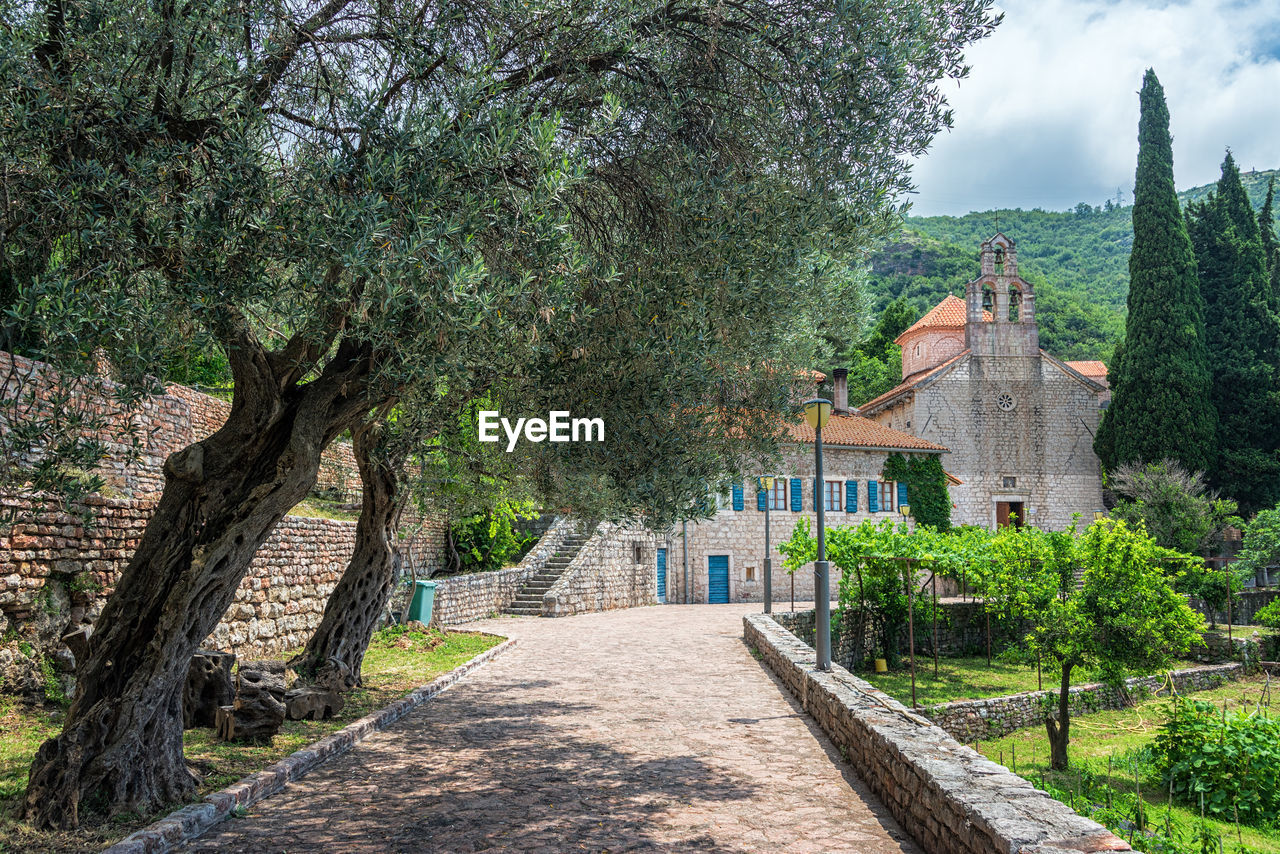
(1049, 114)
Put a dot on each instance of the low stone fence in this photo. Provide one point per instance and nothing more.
(463, 598)
(993, 717)
(616, 568)
(949, 797)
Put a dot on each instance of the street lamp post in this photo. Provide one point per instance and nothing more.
(766, 486)
(817, 413)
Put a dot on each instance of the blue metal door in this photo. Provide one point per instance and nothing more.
(717, 578)
(662, 575)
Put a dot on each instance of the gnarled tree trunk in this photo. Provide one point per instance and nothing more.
(358, 600)
(121, 743)
(1060, 730)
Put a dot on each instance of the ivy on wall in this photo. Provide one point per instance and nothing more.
(926, 487)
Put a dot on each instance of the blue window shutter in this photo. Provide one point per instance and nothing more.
(873, 501)
(851, 496)
(737, 496)
(761, 498)
(797, 499)
(902, 494)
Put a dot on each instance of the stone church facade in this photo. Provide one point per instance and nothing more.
(1017, 422)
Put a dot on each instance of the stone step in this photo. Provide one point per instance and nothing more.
(532, 596)
(521, 611)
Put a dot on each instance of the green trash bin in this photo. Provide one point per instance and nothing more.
(424, 598)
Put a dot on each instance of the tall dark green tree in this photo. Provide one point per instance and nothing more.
(1270, 245)
(1242, 338)
(1160, 405)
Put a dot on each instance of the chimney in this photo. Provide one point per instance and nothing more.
(840, 390)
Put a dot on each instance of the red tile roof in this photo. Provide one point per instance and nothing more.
(1094, 370)
(857, 432)
(951, 313)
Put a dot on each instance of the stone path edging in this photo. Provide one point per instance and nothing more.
(949, 797)
(192, 820)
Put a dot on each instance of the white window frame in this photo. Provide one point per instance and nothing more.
(888, 496)
(778, 498)
(833, 489)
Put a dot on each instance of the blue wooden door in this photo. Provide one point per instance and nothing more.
(717, 578)
(662, 575)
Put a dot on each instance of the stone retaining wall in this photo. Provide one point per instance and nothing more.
(971, 720)
(463, 598)
(949, 797)
(57, 575)
(616, 568)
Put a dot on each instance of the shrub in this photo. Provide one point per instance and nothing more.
(1269, 615)
(1231, 759)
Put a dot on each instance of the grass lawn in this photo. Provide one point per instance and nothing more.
(396, 663)
(1123, 736)
(972, 679)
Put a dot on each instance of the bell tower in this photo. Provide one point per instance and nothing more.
(1000, 306)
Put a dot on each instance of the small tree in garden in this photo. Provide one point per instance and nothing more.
(1124, 617)
(1261, 542)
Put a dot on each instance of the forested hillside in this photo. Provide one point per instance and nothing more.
(1078, 261)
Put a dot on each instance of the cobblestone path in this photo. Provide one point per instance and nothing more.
(650, 729)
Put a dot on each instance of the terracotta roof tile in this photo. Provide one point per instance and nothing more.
(951, 313)
(858, 432)
(1094, 370)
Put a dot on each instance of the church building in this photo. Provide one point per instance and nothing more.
(1017, 422)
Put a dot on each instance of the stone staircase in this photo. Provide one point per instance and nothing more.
(529, 600)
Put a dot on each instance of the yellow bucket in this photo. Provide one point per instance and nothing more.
(882, 666)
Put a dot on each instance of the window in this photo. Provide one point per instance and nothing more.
(724, 500)
(751, 573)
(778, 496)
(888, 495)
(1010, 483)
(638, 551)
(833, 496)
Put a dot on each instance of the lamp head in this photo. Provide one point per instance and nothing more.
(905, 509)
(766, 483)
(817, 412)
(1099, 515)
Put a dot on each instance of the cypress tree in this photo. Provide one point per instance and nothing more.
(1160, 406)
(1242, 336)
(1270, 246)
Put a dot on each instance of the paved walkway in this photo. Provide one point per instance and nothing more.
(651, 729)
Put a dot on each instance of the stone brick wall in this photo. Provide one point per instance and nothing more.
(57, 575)
(463, 598)
(1045, 443)
(949, 797)
(739, 534)
(1244, 605)
(614, 569)
(971, 720)
(165, 424)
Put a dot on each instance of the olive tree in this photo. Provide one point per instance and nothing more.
(614, 206)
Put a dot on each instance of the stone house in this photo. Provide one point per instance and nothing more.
(726, 552)
(1018, 423)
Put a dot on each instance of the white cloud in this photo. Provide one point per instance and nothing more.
(1049, 115)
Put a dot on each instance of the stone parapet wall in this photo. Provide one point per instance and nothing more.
(163, 424)
(993, 717)
(463, 598)
(614, 569)
(57, 575)
(949, 797)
